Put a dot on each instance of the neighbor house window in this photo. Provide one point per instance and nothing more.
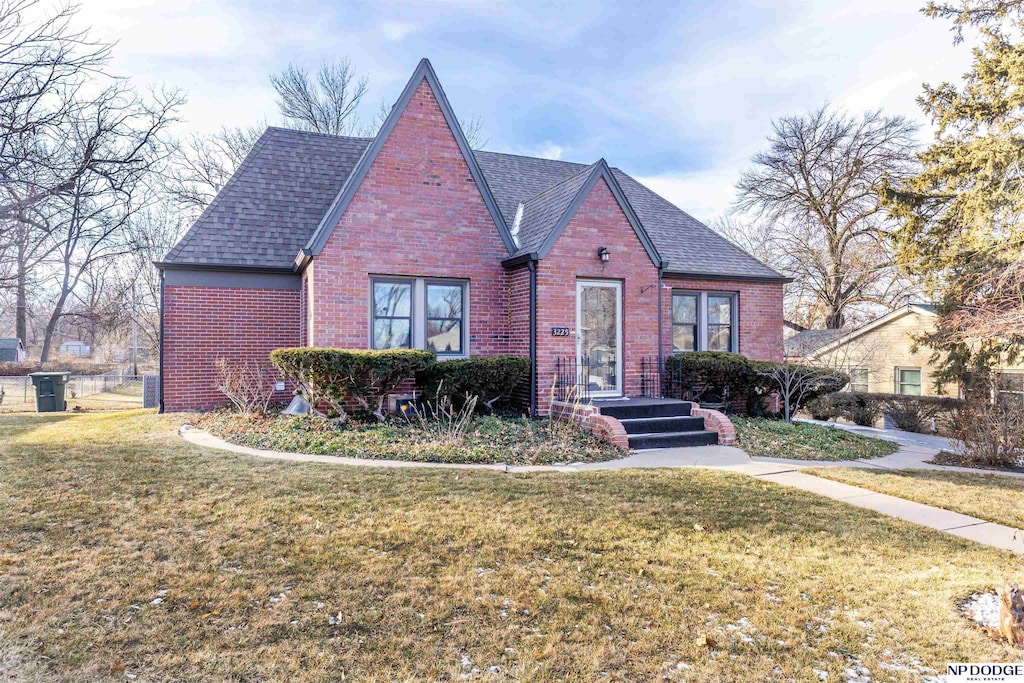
(704, 321)
(908, 381)
(858, 379)
(1010, 385)
(419, 313)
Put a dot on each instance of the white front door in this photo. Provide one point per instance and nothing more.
(599, 336)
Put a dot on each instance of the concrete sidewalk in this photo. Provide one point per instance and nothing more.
(723, 458)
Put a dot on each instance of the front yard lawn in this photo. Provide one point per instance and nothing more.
(993, 497)
(515, 441)
(805, 441)
(126, 550)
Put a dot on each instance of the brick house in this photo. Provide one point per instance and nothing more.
(411, 239)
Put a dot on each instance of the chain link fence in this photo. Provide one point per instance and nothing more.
(111, 391)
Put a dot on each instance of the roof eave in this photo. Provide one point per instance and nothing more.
(224, 267)
(781, 279)
(513, 261)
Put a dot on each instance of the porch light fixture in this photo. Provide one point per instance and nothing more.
(602, 253)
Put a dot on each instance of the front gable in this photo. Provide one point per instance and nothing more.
(423, 101)
(602, 189)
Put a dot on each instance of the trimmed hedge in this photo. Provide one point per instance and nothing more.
(909, 413)
(492, 379)
(333, 377)
(724, 373)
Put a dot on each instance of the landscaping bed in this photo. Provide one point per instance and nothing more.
(991, 497)
(804, 441)
(131, 554)
(489, 439)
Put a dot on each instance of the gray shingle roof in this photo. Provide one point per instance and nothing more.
(541, 213)
(272, 205)
(266, 212)
(808, 341)
(10, 343)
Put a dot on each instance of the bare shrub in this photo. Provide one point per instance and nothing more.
(444, 421)
(991, 434)
(247, 384)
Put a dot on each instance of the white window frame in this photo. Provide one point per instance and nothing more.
(867, 379)
(702, 318)
(419, 310)
(898, 377)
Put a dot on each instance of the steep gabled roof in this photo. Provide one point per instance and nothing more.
(424, 71)
(266, 211)
(284, 200)
(686, 245)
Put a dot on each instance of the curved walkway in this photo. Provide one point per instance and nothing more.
(713, 457)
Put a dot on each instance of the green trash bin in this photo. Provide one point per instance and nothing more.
(50, 391)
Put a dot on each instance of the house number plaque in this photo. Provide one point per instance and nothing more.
(559, 331)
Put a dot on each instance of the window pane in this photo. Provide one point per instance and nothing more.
(684, 337)
(910, 382)
(1011, 381)
(719, 338)
(684, 309)
(444, 336)
(444, 301)
(391, 333)
(858, 379)
(719, 310)
(393, 299)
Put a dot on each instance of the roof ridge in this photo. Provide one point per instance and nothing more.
(247, 162)
(316, 133)
(527, 156)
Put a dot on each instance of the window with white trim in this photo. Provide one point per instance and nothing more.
(859, 379)
(419, 313)
(908, 381)
(704, 321)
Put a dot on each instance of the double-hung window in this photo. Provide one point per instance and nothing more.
(684, 321)
(392, 314)
(908, 381)
(419, 313)
(704, 321)
(859, 379)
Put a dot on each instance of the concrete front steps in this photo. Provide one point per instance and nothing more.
(658, 422)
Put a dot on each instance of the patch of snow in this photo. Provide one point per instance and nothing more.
(822, 675)
(983, 610)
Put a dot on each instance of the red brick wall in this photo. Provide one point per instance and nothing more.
(760, 309)
(203, 324)
(599, 222)
(418, 212)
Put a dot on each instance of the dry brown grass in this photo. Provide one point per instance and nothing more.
(993, 497)
(277, 571)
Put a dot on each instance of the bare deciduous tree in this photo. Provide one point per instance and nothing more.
(327, 104)
(817, 186)
(204, 163)
(43, 65)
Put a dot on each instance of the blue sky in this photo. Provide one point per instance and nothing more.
(678, 94)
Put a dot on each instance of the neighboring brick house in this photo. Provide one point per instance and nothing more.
(883, 356)
(412, 239)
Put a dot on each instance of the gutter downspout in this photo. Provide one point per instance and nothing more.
(531, 265)
(661, 339)
(160, 409)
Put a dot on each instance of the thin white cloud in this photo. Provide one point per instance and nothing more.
(705, 195)
(395, 31)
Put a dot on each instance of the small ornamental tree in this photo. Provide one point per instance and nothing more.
(334, 377)
(799, 384)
